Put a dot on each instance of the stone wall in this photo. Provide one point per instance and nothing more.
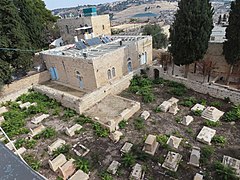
(81, 104)
(213, 89)
(25, 83)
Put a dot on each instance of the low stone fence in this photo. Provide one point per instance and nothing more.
(213, 89)
(25, 83)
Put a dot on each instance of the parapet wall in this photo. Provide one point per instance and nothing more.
(212, 89)
(26, 82)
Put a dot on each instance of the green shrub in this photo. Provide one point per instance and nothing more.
(82, 119)
(189, 102)
(216, 104)
(233, 114)
(128, 160)
(203, 102)
(162, 139)
(106, 176)
(32, 161)
(159, 81)
(178, 91)
(64, 149)
(19, 143)
(46, 134)
(68, 113)
(122, 124)
(219, 140)
(224, 172)
(178, 119)
(189, 131)
(139, 123)
(206, 154)
(100, 131)
(211, 123)
(197, 112)
(26, 143)
(82, 164)
(157, 109)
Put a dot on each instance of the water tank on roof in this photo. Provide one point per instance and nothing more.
(90, 11)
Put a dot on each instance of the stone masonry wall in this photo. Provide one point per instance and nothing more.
(212, 89)
(25, 83)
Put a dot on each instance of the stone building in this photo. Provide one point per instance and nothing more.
(96, 63)
(84, 27)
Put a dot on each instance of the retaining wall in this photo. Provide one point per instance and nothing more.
(212, 89)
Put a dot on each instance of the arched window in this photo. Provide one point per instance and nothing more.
(129, 65)
(113, 72)
(146, 58)
(109, 74)
(67, 29)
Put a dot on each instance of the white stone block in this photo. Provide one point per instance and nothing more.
(198, 177)
(58, 143)
(3, 110)
(172, 161)
(150, 145)
(187, 120)
(71, 131)
(137, 172)
(25, 105)
(206, 135)
(174, 142)
(57, 162)
(165, 106)
(21, 151)
(126, 147)
(198, 107)
(212, 114)
(113, 167)
(173, 100)
(67, 170)
(10, 146)
(174, 109)
(233, 163)
(115, 136)
(39, 119)
(1, 119)
(145, 115)
(37, 130)
(195, 156)
(79, 175)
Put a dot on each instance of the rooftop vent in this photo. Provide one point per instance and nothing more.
(85, 54)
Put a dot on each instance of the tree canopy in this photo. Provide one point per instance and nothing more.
(24, 25)
(231, 47)
(160, 39)
(190, 32)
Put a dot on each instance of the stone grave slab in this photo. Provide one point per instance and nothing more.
(20, 150)
(80, 149)
(198, 107)
(232, 162)
(126, 147)
(187, 120)
(150, 145)
(137, 172)
(195, 156)
(173, 100)
(113, 167)
(3, 109)
(164, 106)
(145, 115)
(1, 119)
(71, 131)
(10, 146)
(174, 109)
(2, 137)
(174, 142)
(39, 119)
(37, 130)
(212, 114)
(115, 136)
(67, 170)
(198, 177)
(206, 135)
(79, 175)
(25, 105)
(172, 161)
(58, 143)
(57, 162)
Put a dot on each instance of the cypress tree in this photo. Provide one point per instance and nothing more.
(190, 32)
(231, 47)
(12, 35)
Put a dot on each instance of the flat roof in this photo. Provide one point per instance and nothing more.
(94, 51)
(12, 167)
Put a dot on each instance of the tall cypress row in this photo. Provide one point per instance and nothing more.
(190, 32)
(231, 47)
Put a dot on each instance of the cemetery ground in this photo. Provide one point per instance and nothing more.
(135, 130)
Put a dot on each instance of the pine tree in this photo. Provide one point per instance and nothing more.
(190, 32)
(12, 36)
(231, 47)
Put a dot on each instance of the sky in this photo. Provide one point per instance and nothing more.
(54, 4)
